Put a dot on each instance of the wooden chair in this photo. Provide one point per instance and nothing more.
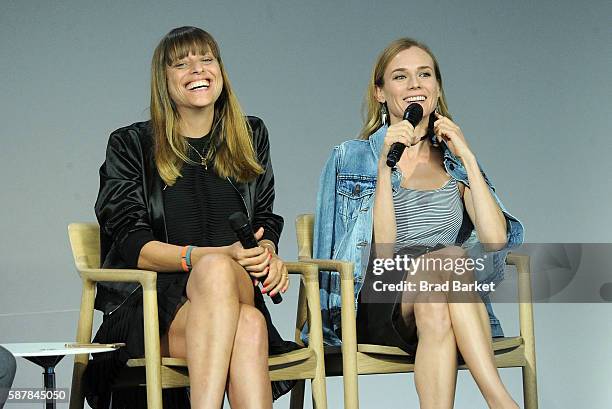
(156, 372)
(354, 359)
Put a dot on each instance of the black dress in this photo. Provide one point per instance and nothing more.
(197, 208)
(381, 323)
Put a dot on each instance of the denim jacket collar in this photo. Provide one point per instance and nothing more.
(378, 137)
(376, 142)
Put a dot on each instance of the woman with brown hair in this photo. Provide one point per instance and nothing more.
(425, 206)
(167, 188)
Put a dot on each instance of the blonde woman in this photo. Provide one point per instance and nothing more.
(167, 187)
(426, 207)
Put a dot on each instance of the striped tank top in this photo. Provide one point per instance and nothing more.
(428, 217)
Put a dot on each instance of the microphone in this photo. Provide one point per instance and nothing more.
(241, 226)
(413, 114)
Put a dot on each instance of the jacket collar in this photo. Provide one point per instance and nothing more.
(378, 137)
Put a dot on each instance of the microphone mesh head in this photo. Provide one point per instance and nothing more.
(237, 220)
(414, 114)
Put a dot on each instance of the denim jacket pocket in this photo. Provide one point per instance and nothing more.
(353, 194)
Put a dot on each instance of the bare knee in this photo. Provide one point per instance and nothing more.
(253, 323)
(432, 318)
(212, 274)
(252, 330)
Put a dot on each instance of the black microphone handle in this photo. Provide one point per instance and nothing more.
(247, 239)
(412, 114)
(395, 153)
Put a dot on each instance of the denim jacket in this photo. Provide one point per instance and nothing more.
(344, 219)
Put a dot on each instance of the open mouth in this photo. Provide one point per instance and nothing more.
(417, 98)
(198, 85)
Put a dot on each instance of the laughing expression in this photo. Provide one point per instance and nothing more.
(195, 82)
(409, 78)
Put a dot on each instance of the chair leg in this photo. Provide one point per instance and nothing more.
(297, 395)
(530, 387)
(152, 348)
(351, 391)
(77, 399)
(319, 394)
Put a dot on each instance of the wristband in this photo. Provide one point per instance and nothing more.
(186, 258)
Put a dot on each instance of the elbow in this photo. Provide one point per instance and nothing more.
(497, 244)
(498, 237)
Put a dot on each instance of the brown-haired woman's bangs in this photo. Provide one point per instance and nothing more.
(197, 43)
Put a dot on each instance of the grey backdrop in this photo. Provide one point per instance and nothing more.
(527, 82)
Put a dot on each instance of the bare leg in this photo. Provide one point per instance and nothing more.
(473, 334)
(435, 371)
(472, 330)
(204, 329)
(249, 380)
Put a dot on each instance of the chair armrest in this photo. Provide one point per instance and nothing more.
(148, 280)
(348, 319)
(347, 284)
(310, 280)
(521, 261)
(343, 267)
(347, 295)
(90, 276)
(144, 277)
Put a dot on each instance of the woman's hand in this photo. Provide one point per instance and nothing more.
(255, 260)
(402, 132)
(259, 262)
(447, 131)
(278, 277)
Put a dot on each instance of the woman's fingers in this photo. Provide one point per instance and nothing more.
(278, 278)
(259, 233)
(250, 253)
(257, 262)
(402, 132)
(451, 133)
(260, 274)
(284, 284)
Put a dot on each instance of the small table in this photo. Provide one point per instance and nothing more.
(49, 354)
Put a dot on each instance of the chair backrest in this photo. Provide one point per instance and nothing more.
(85, 243)
(304, 227)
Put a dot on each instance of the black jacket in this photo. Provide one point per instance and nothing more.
(130, 199)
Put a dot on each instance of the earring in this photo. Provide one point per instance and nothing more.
(383, 113)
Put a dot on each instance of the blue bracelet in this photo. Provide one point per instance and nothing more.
(188, 256)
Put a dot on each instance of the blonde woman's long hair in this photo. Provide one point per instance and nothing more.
(233, 154)
(371, 106)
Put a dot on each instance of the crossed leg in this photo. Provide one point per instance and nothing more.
(223, 336)
(443, 327)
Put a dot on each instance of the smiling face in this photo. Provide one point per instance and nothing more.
(194, 82)
(409, 77)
